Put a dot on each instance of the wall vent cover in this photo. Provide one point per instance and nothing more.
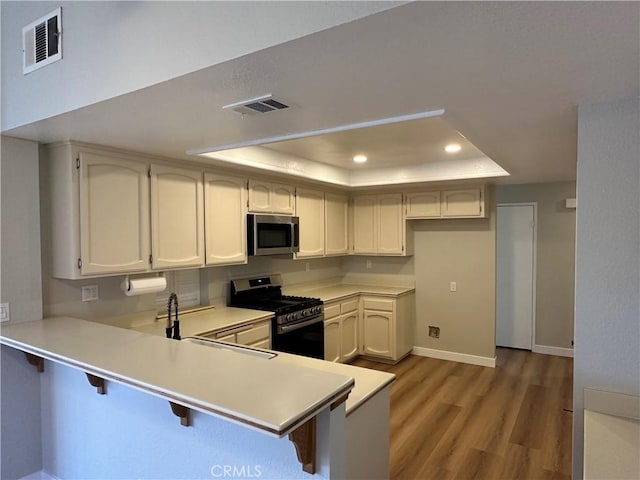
(42, 42)
(262, 104)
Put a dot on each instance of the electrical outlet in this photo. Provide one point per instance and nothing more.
(90, 293)
(434, 331)
(453, 287)
(5, 313)
(369, 264)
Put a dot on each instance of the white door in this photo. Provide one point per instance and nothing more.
(515, 269)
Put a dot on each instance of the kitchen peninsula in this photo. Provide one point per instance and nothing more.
(234, 398)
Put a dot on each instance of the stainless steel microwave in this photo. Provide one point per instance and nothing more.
(272, 234)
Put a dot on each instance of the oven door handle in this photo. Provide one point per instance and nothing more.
(296, 326)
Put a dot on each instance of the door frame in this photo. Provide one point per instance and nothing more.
(534, 260)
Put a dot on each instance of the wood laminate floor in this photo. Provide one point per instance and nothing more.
(456, 421)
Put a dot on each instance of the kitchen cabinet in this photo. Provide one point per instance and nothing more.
(257, 334)
(379, 226)
(463, 203)
(268, 197)
(336, 211)
(423, 204)
(98, 206)
(447, 203)
(310, 210)
(387, 326)
(225, 210)
(341, 330)
(177, 217)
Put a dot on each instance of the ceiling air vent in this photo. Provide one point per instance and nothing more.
(42, 42)
(263, 104)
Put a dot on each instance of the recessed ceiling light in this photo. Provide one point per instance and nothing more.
(452, 148)
(360, 158)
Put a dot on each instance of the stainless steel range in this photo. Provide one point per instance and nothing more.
(298, 326)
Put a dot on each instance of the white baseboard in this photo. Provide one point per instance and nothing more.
(39, 475)
(455, 356)
(559, 351)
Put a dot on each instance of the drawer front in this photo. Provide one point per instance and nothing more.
(349, 306)
(256, 334)
(332, 310)
(225, 337)
(378, 304)
(266, 344)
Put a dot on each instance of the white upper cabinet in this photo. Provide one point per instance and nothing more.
(336, 210)
(448, 203)
(225, 209)
(379, 227)
(310, 209)
(463, 203)
(423, 204)
(177, 217)
(98, 213)
(365, 224)
(268, 197)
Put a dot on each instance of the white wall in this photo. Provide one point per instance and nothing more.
(130, 434)
(607, 315)
(111, 48)
(21, 287)
(21, 278)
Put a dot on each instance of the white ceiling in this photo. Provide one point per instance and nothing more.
(509, 76)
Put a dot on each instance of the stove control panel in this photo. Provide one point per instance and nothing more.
(299, 315)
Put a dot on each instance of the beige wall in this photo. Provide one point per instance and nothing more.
(463, 251)
(555, 257)
(21, 284)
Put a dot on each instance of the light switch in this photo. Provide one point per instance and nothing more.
(453, 287)
(89, 293)
(5, 314)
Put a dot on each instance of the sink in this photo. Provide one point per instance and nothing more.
(207, 342)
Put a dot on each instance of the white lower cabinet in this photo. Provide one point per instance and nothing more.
(341, 330)
(256, 335)
(387, 326)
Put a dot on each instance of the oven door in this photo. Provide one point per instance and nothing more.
(301, 338)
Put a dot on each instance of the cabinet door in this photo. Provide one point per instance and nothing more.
(114, 215)
(225, 209)
(310, 209)
(259, 196)
(462, 203)
(349, 336)
(365, 239)
(391, 226)
(423, 205)
(177, 217)
(336, 208)
(332, 340)
(377, 333)
(282, 199)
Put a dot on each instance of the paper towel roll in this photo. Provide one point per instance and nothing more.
(140, 286)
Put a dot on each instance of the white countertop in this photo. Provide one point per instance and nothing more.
(211, 380)
(206, 321)
(329, 293)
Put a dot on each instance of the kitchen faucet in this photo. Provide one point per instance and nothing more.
(175, 325)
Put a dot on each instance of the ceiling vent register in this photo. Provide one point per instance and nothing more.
(42, 41)
(263, 104)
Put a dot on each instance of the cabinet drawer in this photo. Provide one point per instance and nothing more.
(225, 337)
(266, 344)
(349, 306)
(331, 311)
(256, 334)
(378, 304)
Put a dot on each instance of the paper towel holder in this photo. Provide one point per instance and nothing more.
(125, 285)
